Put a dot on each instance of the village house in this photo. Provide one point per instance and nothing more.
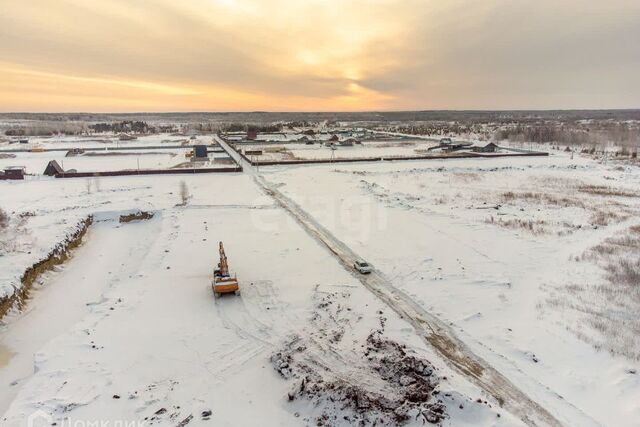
(13, 172)
(53, 168)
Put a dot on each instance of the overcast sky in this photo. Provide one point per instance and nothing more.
(320, 55)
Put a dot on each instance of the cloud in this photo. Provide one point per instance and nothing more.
(319, 54)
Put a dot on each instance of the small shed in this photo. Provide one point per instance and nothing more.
(252, 135)
(74, 152)
(53, 168)
(126, 137)
(13, 172)
(489, 148)
(200, 152)
(347, 142)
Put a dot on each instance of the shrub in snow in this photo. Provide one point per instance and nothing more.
(4, 219)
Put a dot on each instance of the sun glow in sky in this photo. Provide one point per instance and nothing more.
(317, 55)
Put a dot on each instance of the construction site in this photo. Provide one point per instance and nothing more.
(286, 213)
(73, 157)
(356, 145)
(356, 293)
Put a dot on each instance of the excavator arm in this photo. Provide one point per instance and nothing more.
(222, 282)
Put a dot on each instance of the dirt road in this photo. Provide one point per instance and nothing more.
(430, 328)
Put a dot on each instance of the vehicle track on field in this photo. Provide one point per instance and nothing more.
(431, 329)
(436, 333)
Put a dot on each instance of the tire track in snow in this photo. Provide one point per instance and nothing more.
(431, 329)
(258, 319)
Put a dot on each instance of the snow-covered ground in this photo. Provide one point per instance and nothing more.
(316, 151)
(35, 163)
(386, 149)
(111, 155)
(495, 272)
(102, 141)
(128, 329)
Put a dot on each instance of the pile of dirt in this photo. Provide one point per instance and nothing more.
(382, 382)
(136, 216)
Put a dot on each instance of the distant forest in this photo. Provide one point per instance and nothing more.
(567, 127)
(581, 132)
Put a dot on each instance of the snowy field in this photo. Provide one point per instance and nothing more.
(386, 149)
(35, 163)
(502, 249)
(109, 155)
(301, 151)
(527, 259)
(101, 141)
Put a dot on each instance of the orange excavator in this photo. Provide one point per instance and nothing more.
(223, 283)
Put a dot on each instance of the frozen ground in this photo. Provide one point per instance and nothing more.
(491, 246)
(35, 163)
(302, 151)
(103, 141)
(387, 149)
(147, 157)
(128, 329)
(142, 338)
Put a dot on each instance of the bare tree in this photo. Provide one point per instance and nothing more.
(184, 193)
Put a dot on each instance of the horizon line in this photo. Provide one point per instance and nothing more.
(326, 111)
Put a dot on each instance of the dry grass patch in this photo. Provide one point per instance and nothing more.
(605, 217)
(606, 191)
(530, 225)
(551, 181)
(607, 308)
(541, 199)
(616, 246)
(625, 272)
(4, 219)
(466, 176)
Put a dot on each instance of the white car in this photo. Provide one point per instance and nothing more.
(362, 267)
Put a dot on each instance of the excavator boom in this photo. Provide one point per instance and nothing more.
(224, 267)
(222, 281)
